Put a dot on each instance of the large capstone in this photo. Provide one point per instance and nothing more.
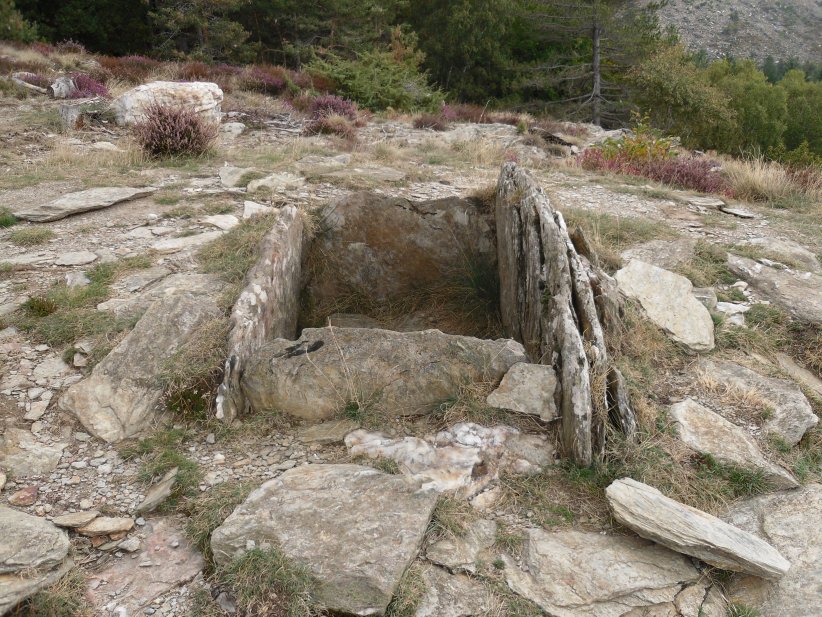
(398, 373)
(355, 529)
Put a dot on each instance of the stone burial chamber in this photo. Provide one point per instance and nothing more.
(395, 305)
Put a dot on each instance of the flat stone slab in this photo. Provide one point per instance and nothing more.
(799, 293)
(230, 176)
(166, 560)
(276, 182)
(119, 398)
(159, 285)
(790, 522)
(529, 389)
(33, 554)
(252, 209)
(355, 529)
(23, 455)
(687, 530)
(463, 553)
(76, 519)
(667, 254)
(105, 525)
(791, 414)
(82, 201)
(452, 595)
(668, 301)
(172, 245)
(587, 574)
(401, 373)
(806, 259)
(222, 221)
(709, 433)
(79, 258)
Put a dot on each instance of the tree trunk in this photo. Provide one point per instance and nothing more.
(596, 91)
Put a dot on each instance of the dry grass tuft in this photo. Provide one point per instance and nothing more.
(65, 598)
(31, 236)
(767, 181)
(452, 517)
(409, 593)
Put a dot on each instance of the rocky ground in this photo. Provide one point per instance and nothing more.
(520, 531)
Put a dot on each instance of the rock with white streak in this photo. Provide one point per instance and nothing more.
(82, 201)
(687, 530)
(203, 98)
(584, 574)
(667, 254)
(668, 301)
(354, 528)
(709, 433)
(529, 389)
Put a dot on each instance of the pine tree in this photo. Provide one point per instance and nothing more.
(12, 25)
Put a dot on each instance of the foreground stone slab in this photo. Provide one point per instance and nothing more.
(33, 555)
(399, 373)
(23, 455)
(267, 307)
(790, 522)
(204, 98)
(585, 574)
(709, 433)
(529, 389)
(668, 301)
(791, 413)
(165, 560)
(82, 201)
(119, 398)
(356, 529)
(799, 293)
(687, 530)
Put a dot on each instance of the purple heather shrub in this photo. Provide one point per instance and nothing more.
(332, 105)
(87, 87)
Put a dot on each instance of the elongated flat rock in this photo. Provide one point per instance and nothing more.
(82, 201)
(709, 433)
(668, 301)
(356, 530)
(687, 530)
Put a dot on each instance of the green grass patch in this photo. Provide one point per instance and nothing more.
(409, 593)
(31, 236)
(7, 219)
(736, 482)
(708, 267)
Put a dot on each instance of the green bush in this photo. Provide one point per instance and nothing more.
(379, 79)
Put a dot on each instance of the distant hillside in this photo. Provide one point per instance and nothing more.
(749, 28)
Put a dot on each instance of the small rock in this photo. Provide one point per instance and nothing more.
(252, 209)
(529, 389)
(106, 525)
(77, 278)
(79, 258)
(222, 221)
(76, 519)
(210, 438)
(230, 177)
(79, 360)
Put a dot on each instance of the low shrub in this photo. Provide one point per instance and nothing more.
(332, 105)
(267, 79)
(7, 219)
(132, 69)
(87, 87)
(759, 180)
(332, 124)
(465, 112)
(431, 121)
(173, 131)
(35, 79)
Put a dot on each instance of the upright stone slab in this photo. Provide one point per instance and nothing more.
(81, 201)
(356, 530)
(119, 398)
(267, 307)
(687, 530)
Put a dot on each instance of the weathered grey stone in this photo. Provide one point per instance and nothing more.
(62, 87)
(232, 130)
(193, 284)
(142, 278)
(709, 433)
(158, 492)
(23, 455)
(581, 574)
(222, 221)
(790, 522)
(333, 431)
(172, 245)
(267, 307)
(367, 173)
(119, 398)
(33, 555)
(353, 320)
(314, 165)
(399, 373)
(529, 389)
(105, 525)
(791, 413)
(462, 553)
(82, 201)
(797, 253)
(706, 295)
(452, 595)
(687, 530)
(78, 258)
(354, 528)
(621, 412)
(230, 176)
(666, 254)
(203, 98)
(77, 278)
(76, 519)
(166, 561)
(668, 301)
(388, 247)
(799, 293)
(276, 182)
(800, 374)
(252, 209)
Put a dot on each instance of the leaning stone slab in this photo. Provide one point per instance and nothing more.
(33, 555)
(791, 413)
(267, 307)
(687, 530)
(586, 574)
(709, 433)
(799, 293)
(354, 528)
(529, 389)
(790, 522)
(119, 398)
(204, 98)
(668, 301)
(399, 373)
(82, 201)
